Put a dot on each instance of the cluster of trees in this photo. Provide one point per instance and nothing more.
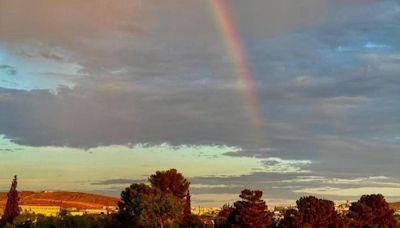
(165, 202)
(62, 221)
(371, 211)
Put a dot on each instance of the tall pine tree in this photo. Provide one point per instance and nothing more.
(11, 210)
(251, 211)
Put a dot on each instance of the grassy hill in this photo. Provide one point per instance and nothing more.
(64, 199)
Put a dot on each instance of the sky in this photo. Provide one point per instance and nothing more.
(292, 97)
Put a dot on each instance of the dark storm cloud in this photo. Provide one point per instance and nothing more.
(112, 114)
(135, 90)
(326, 76)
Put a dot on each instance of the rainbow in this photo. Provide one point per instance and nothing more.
(234, 46)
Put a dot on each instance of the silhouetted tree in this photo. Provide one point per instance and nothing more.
(170, 181)
(192, 221)
(226, 210)
(222, 218)
(11, 210)
(187, 211)
(143, 206)
(251, 211)
(188, 206)
(312, 212)
(371, 211)
(291, 219)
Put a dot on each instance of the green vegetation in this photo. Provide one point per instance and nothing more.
(144, 206)
(165, 202)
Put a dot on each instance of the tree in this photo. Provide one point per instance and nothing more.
(291, 219)
(225, 211)
(371, 211)
(312, 212)
(11, 210)
(187, 210)
(85, 221)
(144, 206)
(192, 221)
(222, 218)
(316, 212)
(170, 181)
(251, 211)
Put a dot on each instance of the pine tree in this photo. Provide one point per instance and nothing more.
(371, 211)
(170, 181)
(251, 211)
(312, 212)
(11, 210)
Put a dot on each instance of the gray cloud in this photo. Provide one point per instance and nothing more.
(11, 70)
(119, 181)
(326, 76)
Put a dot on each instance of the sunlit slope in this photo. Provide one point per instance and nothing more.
(63, 199)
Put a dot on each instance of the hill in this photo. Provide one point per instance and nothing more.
(63, 199)
(395, 206)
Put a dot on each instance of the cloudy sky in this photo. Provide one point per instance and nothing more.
(293, 97)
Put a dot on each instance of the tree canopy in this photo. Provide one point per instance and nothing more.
(312, 212)
(166, 200)
(251, 211)
(143, 206)
(170, 181)
(371, 211)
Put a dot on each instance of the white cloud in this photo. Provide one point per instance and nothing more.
(386, 191)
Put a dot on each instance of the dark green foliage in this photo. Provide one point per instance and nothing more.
(221, 221)
(170, 181)
(251, 211)
(225, 211)
(74, 222)
(312, 212)
(317, 212)
(192, 221)
(187, 210)
(371, 211)
(166, 203)
(144, 206)
(189, 220)
(11, 210)
(86, 221)
(25, 220)
(291, 219)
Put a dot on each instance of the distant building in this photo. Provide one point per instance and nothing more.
(111, 209)
(205, 210)
(342, 208)
(41, 210)
(76, 213)
(96, 211)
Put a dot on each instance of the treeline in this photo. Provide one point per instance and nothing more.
(165, 202)
(371, 211)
